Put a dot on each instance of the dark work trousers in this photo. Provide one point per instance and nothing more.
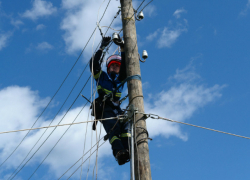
(119, 137)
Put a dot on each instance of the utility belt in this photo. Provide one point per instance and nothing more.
(99, 108)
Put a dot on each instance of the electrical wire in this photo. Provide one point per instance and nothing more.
(140, 5)
(79, 160)
(84, 144)
(145, 6)
(78, 95)
(51, 132)
(56, 143)
(84, 161)
(63, 82)
(97, 85)
(59, 125)
(90, 156)
(153, 116)
(50, 122)
(56, 91)
(111, 28)
(49, 102)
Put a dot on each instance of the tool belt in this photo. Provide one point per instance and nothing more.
(98, 110)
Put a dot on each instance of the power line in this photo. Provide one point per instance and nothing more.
(50, 100)
(140, 4)
(45, 127)
(51, 132)
(84, 161)
(80, 159)
(86, 131)
(145, 6)
(54, 96)
(51, 120)
(57, 89)
(85, 46)
(67, 111)
(153, 116)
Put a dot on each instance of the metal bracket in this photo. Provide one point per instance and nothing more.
(123, 118)
(131, 111)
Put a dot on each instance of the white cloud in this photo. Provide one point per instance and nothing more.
(179, 103)
(44, 46)
(40, 26)
(168, 37)
(152, 36)
(4, 39)
(80, 21)
(178, 12)
(150, 10)
(19, 108)
(245, 11)
(40, 9)
(16, 23)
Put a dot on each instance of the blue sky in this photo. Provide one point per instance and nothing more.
(197, 72)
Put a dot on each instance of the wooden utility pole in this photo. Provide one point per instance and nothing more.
(141, 163)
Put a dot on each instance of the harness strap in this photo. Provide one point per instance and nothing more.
(138, 77)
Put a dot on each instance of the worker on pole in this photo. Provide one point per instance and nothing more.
(107, 82)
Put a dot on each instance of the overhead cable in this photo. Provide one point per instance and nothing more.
(80, 158)
(145, 6)
(61, 84)
(69, 124)
(86, 66)
(51, 132)
(153, 116)
(84, 161)
(52, 97)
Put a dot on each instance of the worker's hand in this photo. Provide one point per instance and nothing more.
(105, 42)
(119, 42)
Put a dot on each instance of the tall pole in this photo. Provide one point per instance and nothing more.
(141, 163)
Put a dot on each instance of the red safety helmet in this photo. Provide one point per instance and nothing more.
(113, 59)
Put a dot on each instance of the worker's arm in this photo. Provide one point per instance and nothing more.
(96, 61)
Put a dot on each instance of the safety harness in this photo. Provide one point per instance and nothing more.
(100, 103)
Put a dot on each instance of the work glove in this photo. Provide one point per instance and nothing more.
(105, 42)
(119, 42)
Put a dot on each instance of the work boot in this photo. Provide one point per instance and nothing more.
(122, 157)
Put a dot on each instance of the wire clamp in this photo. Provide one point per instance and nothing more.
(153, 116)
(132, 110)
(123, 118)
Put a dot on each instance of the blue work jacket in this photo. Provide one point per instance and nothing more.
(105, 84)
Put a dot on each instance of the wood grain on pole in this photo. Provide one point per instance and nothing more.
(142, 163)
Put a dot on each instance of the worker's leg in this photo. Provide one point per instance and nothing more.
(125, 134)
(114, 135)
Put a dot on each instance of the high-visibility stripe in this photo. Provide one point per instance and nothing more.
(107, 91)
(113, 139)
(97, 75)
(117, 94)
(125, 135)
